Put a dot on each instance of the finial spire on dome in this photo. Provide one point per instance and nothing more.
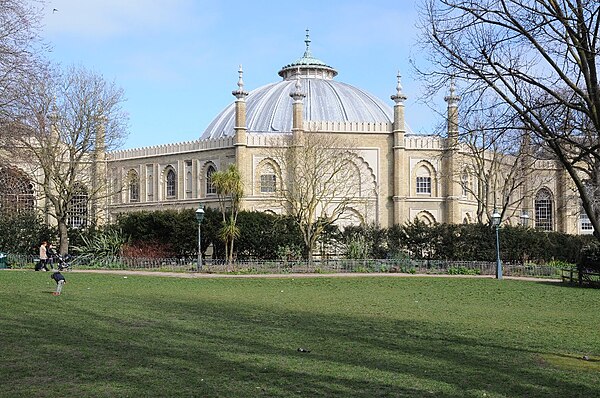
(241, 80)
(399, 97)
(240, 93)
(308, 65)
(307, 53)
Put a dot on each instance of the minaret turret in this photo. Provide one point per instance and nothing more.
(452, 99)
(297, 107)
(240, 110)
(243, 159)
(450, 161)
(399, 99)
(399, 150)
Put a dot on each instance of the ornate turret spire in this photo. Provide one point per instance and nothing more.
(399, 97)
(307, 53)
(297, 94)
(452, 99)
(240, 94)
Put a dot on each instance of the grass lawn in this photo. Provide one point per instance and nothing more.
(150, 336)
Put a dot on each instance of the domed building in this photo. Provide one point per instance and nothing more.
(393, 175)
(269, 108)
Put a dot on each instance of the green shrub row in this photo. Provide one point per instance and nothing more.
(162, 234)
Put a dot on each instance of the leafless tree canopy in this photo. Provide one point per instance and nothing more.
(19, 26)
(320, 179)
(65, 123)
(538, 61)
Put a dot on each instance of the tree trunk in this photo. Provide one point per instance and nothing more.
(63, 236)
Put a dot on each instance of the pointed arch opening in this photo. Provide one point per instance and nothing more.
(544, 208)
(16, 191)
(170, 183)
(77, 215)
(133, 180)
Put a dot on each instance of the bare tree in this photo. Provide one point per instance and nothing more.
(19, 27)
(320, 179)
(67, 121)
(498, 170)
(539, 60)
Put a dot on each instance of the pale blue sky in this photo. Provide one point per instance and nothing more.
(177, 60)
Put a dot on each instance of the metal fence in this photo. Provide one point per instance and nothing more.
(302, 266)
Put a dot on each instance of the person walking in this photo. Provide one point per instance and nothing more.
(43, 258)
(50, 255)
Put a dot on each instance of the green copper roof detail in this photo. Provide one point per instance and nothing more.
(306, 62)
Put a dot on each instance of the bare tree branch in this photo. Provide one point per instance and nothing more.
(538, 59)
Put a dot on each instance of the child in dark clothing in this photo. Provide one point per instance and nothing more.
(60, 281)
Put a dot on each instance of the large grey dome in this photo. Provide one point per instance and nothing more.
(269, 108)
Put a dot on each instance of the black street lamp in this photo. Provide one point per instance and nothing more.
(199, 218)
(496, 223)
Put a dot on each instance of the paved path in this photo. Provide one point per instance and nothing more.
(334, 275)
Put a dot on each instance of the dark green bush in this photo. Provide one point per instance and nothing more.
(262, 235)
(176, 232)
(477, 242)
(590, 257)
(23, 232)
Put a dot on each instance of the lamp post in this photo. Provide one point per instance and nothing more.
(496, 223)
(199, 218)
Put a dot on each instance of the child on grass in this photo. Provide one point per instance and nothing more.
(60, 281)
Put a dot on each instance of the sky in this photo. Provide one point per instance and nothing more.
(177, 60)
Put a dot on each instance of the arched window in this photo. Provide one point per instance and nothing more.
(464, 182)
(268, 180)
(149, 182)
(16, 191)
(543, 210)
(423, 182)
(171, 184)
(188, 184)
(77, 216)
(134, 186)
(586, 224)
(210, 187)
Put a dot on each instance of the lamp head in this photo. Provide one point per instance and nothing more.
(496, 218)
(200, 214)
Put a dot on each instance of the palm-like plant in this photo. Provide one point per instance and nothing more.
(230, 190)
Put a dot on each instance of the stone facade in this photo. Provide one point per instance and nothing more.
(408, 176)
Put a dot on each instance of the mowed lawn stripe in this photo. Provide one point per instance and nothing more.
(108, 335)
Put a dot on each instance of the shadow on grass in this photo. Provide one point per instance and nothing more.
(157, 346)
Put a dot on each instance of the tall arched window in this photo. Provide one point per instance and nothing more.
(16, 190)
(543, 210)
(464, 183)
(188, 184)
(268, 180)
(78, 209)
(171, 184)
(423, 181)
(134, 186)
(210, 187)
